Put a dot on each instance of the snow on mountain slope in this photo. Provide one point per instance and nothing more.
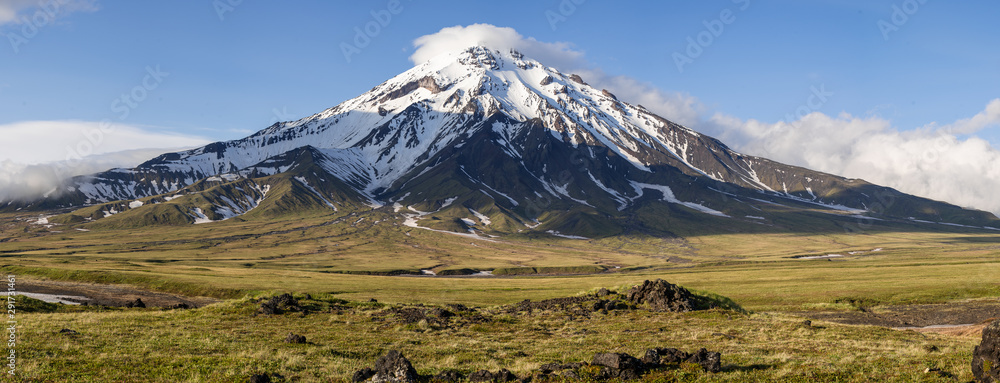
(412, 116)
(436, 112)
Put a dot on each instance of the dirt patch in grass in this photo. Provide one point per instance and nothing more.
(968, 331)
(110, 295)
(917, 317)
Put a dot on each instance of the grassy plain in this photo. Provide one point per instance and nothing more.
(326, 256)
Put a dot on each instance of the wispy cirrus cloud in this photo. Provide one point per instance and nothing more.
(16, 11)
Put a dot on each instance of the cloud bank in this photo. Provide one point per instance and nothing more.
(36, 156)
(943, 162)
(947, 163)
(21, 181)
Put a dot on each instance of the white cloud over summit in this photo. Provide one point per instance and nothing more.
(943, 162)
(457, 38)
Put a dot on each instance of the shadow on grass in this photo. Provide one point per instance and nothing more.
(706, 301)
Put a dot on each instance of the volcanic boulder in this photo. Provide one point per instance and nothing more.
(503, 375)
(362, 375)
(447, 376)
(279, 305)
(986, 356)
(661, 295)
(620, 365)
(295, 339)
(393, 367)
(710, 361)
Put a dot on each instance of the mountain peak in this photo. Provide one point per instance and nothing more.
(494, 123)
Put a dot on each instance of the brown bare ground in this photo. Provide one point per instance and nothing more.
(109, 295)
(967, 318)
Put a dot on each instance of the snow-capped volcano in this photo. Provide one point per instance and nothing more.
(494, 130)
(404, 121)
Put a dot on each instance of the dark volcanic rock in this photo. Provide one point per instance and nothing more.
(362, 375)
(459, 307)
(260, 378)
(481, 376)
(279, 305)
(68, 332)
(394, 367)
(409, 314)
(295, 338)
(661, 295)
(651, 358)
(671, 355)
(986, 356)
(447, 376)
(442, 313)
(711, 361)
(504, 375)
(555, 304)
(618, 361)
(620, 365)
(137, 303)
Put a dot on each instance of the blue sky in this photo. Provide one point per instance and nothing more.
(229, 74)
(226, 75)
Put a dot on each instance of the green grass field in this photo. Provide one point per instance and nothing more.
(327, 256)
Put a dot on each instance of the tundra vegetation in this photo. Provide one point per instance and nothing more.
(353, 301)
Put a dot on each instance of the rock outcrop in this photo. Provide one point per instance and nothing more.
(661, 295)
(392, 367)
(619, 365)
(279, 305)
(986, 356)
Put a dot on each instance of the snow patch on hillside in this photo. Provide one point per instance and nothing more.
(668, 196)
(557, 234)
(482, 217)
(315, 192)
